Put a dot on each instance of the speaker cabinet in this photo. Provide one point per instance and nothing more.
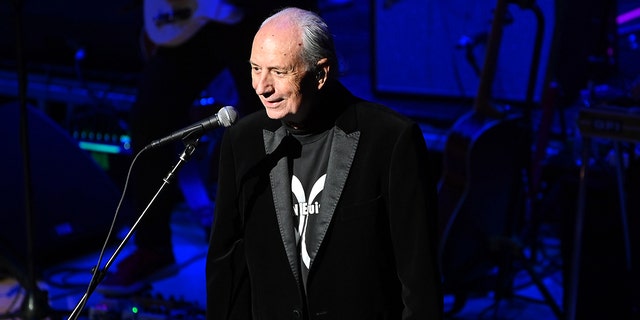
(72, 199)
(430, 47)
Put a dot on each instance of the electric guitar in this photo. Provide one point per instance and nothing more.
(172, 22)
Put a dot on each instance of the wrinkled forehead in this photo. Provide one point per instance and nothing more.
(281, 31)
(279, 38)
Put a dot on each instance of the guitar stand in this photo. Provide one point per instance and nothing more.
(512, 251)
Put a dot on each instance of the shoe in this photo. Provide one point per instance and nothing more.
(137, 271)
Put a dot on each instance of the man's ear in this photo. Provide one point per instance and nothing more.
(322, 72)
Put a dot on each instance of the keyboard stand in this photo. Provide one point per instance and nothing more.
(617, 124)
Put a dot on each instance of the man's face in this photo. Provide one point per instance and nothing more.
(278, 72)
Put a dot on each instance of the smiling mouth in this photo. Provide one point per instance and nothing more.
(271, 103)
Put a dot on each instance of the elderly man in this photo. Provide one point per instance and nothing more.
(326, 208)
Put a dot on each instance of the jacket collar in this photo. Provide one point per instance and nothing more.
(332, 107)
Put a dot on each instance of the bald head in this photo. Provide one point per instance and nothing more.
(312, 32)
(279, 35)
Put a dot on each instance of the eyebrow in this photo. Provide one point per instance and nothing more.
(283, 68)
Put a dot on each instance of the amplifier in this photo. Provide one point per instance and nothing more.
(612, 122)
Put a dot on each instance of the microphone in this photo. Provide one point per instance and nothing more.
(225, 117)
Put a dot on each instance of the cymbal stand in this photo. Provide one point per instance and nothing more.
(35, 303)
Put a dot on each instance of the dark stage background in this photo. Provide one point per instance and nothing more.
(423, 58)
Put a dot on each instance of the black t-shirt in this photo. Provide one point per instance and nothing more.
(307, 183)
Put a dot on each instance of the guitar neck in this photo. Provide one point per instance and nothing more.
(482, 103)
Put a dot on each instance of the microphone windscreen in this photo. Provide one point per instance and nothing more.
(227, 116)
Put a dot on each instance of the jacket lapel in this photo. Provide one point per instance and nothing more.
(343, 150)
(281, 192)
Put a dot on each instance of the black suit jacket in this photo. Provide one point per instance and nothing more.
(376, 258)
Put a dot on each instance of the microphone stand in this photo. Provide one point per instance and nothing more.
(190, 147)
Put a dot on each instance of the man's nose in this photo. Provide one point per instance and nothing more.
(263, 84)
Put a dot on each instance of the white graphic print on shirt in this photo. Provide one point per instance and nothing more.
(303, 208)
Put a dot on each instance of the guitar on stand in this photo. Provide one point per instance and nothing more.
(484, 189)
(481, 190)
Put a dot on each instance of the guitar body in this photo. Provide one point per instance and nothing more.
(478, 195)
(172, 22)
